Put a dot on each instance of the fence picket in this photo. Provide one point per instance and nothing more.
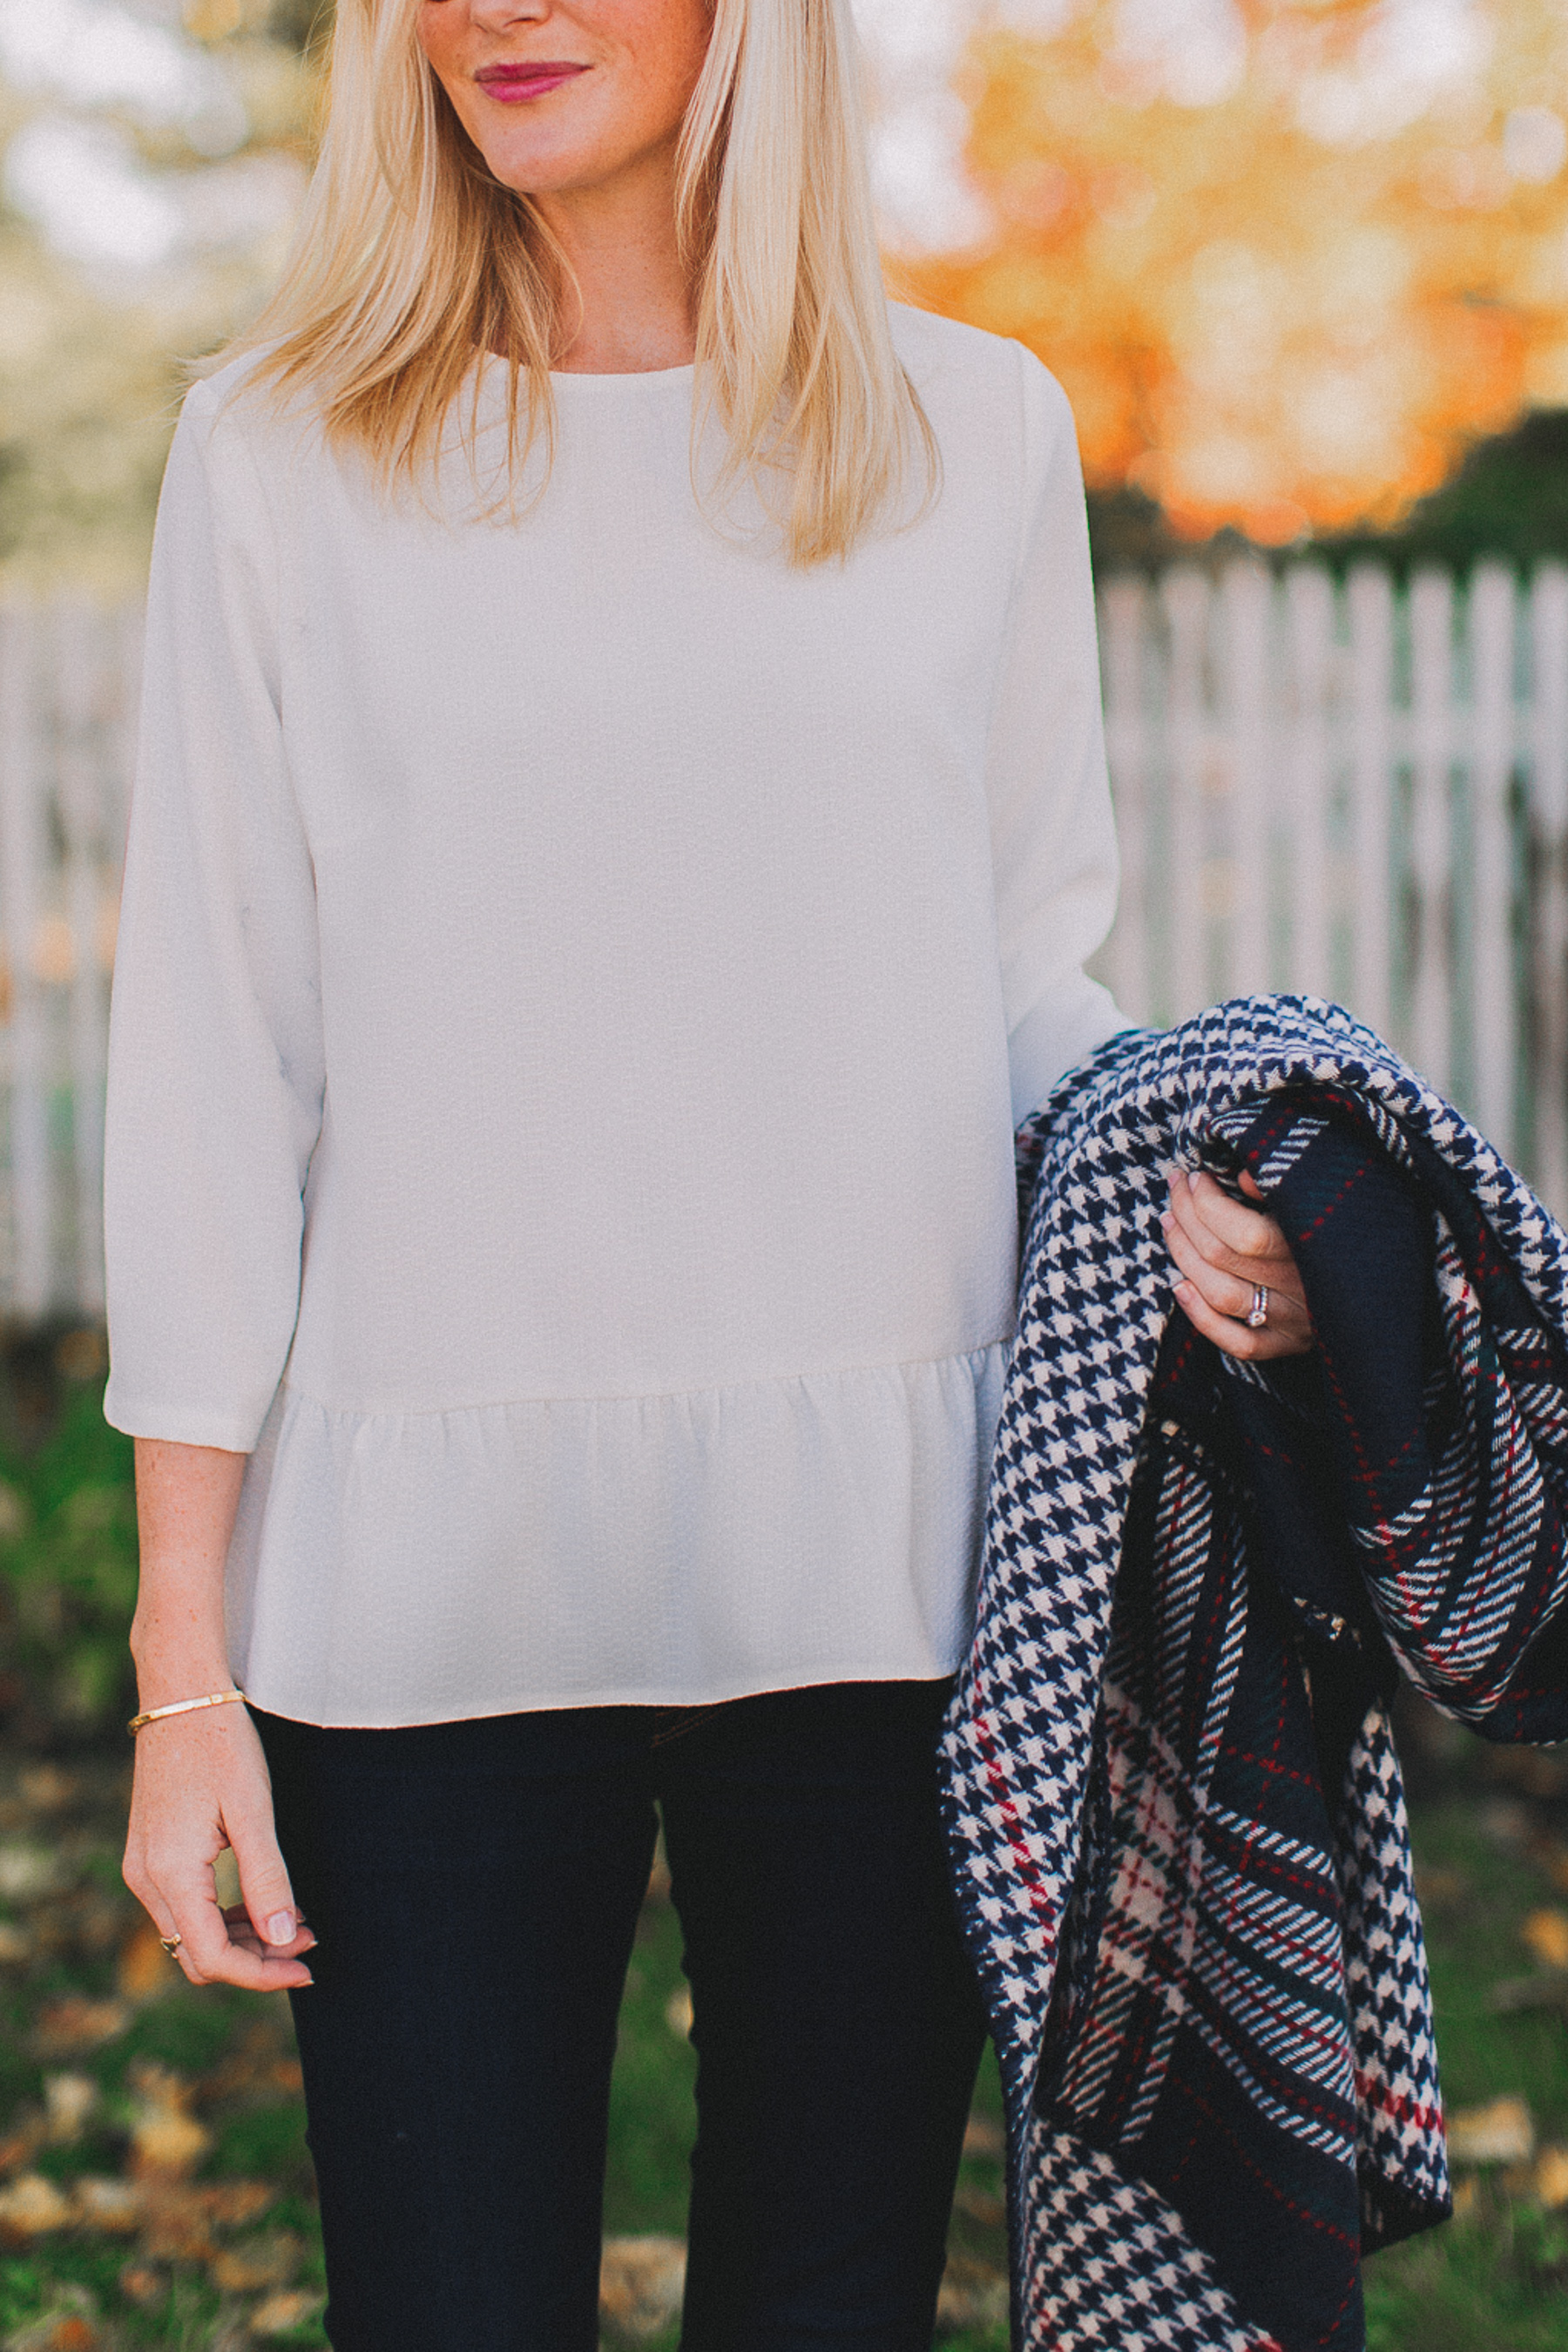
(81, 679)
(1549, 829)
(1492, 640)
(1370, 603)
(1310, 610)
(1185, 600)
(1432, 721)
(22, 869)
(1245, 597)
(1123, 639)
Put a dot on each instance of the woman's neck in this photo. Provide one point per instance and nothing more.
(635, 309)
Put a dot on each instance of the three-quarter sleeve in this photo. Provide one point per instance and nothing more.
(216, 1058)
(1053, 834)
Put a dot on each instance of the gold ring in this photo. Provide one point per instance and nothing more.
(171, 1944)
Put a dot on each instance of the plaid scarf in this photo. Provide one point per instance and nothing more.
(1173, 1798)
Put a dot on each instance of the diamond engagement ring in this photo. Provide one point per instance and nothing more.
(1257, 1313)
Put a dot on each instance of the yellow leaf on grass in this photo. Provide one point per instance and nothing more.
(1546, 1932)
(1551, 2181)
(69, 2099)
(166, 2141)
(104, 2203)
(280, 2315)
(30, 2207)
(146, 1971)
(973, 2295)
(264, 2262)
(76, 2023)
(1499, 2133)
(641, 2283)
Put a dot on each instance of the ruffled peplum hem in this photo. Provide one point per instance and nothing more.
(394, 1568)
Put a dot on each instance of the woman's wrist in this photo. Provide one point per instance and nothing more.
(169, 1667)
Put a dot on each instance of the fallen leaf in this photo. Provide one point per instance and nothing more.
(641, 2284)
(15, 1944)
(76, 2023)
(183, 2222)
(30, 2207)
(71, 2333)
(233, 2204)
(1516, 1993)
(74, 2329)
(983, 2136)
(981, 2205)
(1505, 1821)
(1499, 2133)
(1434, 1886)
(113, 2206)
(46, 1787)
(179, 2225)
(280, 2315)
(146, 1972)
(139, 2283)
(973, 2296)
(27, 2134)
(1551, 2181)
(167, 2143)
(678, 2011)
(68, 2100)
(27, 1872)
(249, 2074)
(1546, 1934)
(259, 2263)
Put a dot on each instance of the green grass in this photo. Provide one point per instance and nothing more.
(1495, 2280)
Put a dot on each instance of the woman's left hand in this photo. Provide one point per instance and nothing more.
(1226, 1253)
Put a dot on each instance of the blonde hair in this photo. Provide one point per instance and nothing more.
(411, 258)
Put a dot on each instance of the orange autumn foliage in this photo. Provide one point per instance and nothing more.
(1267, 313)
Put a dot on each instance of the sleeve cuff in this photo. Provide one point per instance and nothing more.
(180, 1425)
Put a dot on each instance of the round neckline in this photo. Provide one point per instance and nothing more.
(610, 375)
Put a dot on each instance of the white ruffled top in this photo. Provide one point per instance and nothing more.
(576, 982)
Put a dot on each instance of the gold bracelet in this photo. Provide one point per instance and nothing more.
(181, 1707)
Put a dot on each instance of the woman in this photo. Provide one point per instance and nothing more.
(620, 820)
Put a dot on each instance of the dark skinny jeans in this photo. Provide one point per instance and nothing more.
(476, 1886)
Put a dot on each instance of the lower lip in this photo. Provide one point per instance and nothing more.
(515, 89)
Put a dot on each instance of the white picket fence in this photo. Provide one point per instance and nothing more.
(1358, 791)
(1345, 787)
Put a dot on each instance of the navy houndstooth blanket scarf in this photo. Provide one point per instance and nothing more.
(1173, 1797)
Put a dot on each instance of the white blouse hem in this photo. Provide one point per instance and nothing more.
(394, 1568)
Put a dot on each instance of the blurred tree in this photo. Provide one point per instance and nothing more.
(135, 234)
(1286, 275)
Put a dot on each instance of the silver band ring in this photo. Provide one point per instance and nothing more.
(171, 1944)
(1257, 1313)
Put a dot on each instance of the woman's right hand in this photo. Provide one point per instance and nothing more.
(201, 1784)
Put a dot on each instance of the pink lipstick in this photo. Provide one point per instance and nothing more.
(512, 83)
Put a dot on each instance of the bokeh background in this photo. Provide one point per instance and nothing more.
(1302, 267)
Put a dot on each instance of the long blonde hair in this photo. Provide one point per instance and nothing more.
(411, 258)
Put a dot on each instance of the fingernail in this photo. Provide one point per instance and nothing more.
(281, 1927)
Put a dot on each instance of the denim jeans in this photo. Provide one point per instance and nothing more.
(476, 1886)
